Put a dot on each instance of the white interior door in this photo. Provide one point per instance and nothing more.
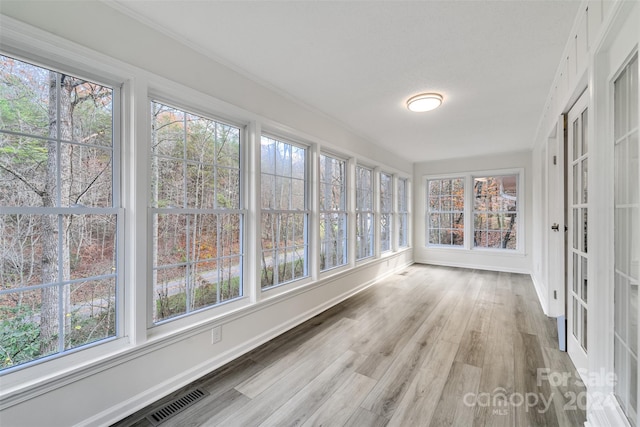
(577, 247)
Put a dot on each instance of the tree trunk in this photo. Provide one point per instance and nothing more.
(54, 298)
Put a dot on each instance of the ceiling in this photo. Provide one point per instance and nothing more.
(358, 62)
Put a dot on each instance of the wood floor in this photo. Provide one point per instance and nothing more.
(430, 346)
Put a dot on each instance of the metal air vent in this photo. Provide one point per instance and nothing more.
(176, 406)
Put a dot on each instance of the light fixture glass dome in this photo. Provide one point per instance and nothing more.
(424, 102)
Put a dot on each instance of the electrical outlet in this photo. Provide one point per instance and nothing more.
(216, 334)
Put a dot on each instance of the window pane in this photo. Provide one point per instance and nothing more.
(268, 155)
(364, 235)
(446, 212)
(495, 210)
(364, 213)
(403, 216)
(386, 211)
(227, 188)
(25, 157)
(170, 292)
(168, 187)
(22, 322)
(92, 313)
(333, 223)
(24, 89)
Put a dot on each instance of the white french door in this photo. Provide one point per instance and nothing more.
(577, 244)
(626, 238)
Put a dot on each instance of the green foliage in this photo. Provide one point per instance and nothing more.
(20, 106)
(287, 271)
(174, 305)
(19, 336)
(88, 328)
(29, 151)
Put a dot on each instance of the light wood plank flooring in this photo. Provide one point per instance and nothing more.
(430, 346)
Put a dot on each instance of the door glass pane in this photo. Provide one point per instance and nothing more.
(619, 365)
(621, 106)
(576, 229)
(633, 95)
(584, 328)
(584, 279)
(576, 141)
(584, 181)
(633, 383)
(576, 184)
(633, 318)
(585, 145)
(634, 243)
(634, 178)
(583, 230)
(620, 285)
(621, 175)
(576, 313)
(576, 277)
(621, 239)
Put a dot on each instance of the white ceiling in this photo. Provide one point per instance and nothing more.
(358, 62)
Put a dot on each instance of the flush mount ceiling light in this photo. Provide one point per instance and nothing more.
(424, 102)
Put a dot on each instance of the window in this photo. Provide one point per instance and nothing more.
(364, 213)
(445, 211)
(59, 171)
(386, 211)
(285, 214)
(403, 213)
(333, 213)
(495, 211)
(197, 220)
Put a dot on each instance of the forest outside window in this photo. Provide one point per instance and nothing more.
(495, 211)
(285, 214)
(60, 215)
(197, 217)
(364, 212)
(333, 212)
(386, 211)
(445, 211)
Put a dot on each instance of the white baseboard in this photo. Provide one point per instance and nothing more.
(606, 413)
(538, 286)
(474, 266)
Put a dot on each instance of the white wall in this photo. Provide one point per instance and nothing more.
(483, 259)
(98, 386)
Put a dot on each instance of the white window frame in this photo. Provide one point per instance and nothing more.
(403, 214)
(389, 212)
(429, 212)
(371, 213)
(239, 210)
(468, 210)
(474, 212)
(66, 62)
(343, 211)
(307, 259)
